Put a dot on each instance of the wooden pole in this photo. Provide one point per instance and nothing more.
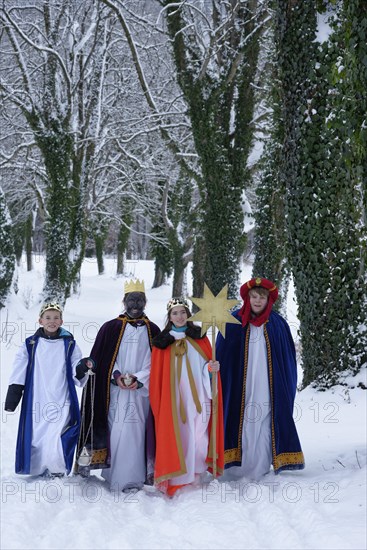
(214, 406)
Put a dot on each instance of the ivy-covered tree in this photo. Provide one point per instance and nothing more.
(28, 241)
(160, 248)
(53, 79)
(181, 229)
(344, 189)
(270, 239)
(162, 255)
(7, 256)
(99, 228)
(324, 197)
(122, 240)
(175, 225)
(216, 51)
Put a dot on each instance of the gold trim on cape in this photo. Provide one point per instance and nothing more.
(235, 454)
(285, 459)
(183, 469)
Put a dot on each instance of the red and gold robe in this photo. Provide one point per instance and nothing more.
(170, 457)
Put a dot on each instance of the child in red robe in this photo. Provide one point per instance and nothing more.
(181, 401)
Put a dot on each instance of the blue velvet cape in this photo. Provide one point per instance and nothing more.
(232, 353)
(70, 434)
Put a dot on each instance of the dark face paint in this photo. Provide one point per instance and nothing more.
(134, 303)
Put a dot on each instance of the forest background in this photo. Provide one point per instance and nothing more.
(193, 131)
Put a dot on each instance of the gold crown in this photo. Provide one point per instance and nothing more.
(134, 286)
(50, 305)
(177, 302)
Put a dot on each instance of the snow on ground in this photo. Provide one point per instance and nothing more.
(321, 507)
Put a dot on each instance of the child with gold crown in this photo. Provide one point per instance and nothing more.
(118, 422)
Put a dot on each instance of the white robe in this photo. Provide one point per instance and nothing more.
(194, 433)
(256, 431)
(128, 412)
(51, 403)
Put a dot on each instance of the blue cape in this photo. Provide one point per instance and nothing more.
(70, 435)
(232, 353)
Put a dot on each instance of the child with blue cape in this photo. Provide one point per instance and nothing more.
(259, 378)
(46, 369)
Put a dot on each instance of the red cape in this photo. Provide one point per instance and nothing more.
(169, 461)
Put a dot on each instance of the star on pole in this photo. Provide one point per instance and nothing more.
(214, 310)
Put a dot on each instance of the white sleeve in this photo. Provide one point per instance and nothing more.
(143, 374)
(20, 364)
(75, 358)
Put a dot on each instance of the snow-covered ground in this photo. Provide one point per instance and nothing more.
(323, 506)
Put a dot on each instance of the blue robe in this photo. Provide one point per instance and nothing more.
(232, 353)
(70, 435)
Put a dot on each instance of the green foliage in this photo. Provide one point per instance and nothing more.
(324, 173)
(162, 254)
(198, 268)
(160, 250)
(270, 241)
(64, 227)
(7, 257)
(181, 235)
(323, 5)
(18, 239)
(99, 226)
(221, 103)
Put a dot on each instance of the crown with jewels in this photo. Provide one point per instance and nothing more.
(51, 305)
(134, 286)
(177, 302)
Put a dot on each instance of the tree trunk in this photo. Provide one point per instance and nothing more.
(162, 254)
(99, 241)
(7, 256)
(178, 277)
(64, 227)
(321, 171)
(198, 269)
(28, 242)
(221, 112)
(122, 240)
(159, 276)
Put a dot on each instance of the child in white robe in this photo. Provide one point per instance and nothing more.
(46, 369)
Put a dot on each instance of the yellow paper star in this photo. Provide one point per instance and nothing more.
(214, 310)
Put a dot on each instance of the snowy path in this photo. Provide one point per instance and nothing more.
(321, 507)
(284, 512)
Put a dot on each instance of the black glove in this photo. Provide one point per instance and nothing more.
(116, 375)
(14, 395)
(82, 369)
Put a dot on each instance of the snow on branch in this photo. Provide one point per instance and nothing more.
(43, 49)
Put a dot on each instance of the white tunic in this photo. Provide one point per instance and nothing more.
(256, 431)
(194, 432)
(51, 401)
(128, 412)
